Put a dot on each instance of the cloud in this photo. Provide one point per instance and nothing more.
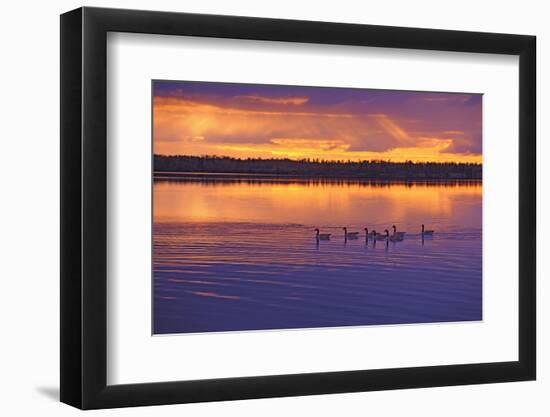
(182, 106)
(179, 119)
(282, 100)
(192, 138)
(465, 145)
(294, 125)
(392, 128)
(452, 97)
(311, 144)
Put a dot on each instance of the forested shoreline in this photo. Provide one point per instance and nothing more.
(318, 168)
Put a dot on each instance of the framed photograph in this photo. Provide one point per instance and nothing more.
(257, 208)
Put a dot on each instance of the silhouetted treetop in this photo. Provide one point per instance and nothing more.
(375, 169)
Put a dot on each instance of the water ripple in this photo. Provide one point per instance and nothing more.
(279, 276)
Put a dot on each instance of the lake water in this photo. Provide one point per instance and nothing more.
(239, 253)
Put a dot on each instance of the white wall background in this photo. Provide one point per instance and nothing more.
(29, 225)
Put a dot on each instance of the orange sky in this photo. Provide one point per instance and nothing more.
(244, 120)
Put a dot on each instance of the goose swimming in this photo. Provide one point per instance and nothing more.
(380, 236)
(396, 234)
(396, 238)
(322, 236)
(426, 232)
(367, 234)
(350, 235)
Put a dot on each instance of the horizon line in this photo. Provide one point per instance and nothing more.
(314, 160)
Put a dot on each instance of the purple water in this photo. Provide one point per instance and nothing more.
(242, 255)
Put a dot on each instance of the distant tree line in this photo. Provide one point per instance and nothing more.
(319, 168)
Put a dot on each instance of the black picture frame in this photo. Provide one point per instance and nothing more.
(84, 207)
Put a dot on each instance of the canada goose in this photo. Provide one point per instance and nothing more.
(396, 238)
(426, 232)
(373, 238)
(367, 234)
(380, 236)
(322, 236)
(397, 234)
(350, 235)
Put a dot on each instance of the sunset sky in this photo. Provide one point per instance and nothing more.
(267, 121)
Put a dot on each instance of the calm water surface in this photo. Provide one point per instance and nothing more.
(241, 254)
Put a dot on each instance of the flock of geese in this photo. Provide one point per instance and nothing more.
(394, 237)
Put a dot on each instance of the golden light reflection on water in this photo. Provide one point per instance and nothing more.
(328, 204)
